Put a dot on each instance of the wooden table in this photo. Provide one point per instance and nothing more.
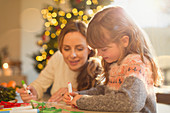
(163, 98)
(62, 105)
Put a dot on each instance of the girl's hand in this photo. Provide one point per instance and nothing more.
(75, 98)
(28, 97)
(67, 98)
(58, 95)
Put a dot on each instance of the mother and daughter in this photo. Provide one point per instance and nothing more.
(129, 67)
(71, 63)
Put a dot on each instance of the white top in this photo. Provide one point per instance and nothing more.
(56, 72)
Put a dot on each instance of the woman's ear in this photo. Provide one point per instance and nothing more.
(125, 41)
(89, 51)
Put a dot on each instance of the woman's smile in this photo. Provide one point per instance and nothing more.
(73, 63)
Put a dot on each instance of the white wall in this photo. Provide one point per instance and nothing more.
(10, 27)
(32, 24)
(160, 38)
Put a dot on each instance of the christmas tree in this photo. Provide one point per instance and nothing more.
(55, 21)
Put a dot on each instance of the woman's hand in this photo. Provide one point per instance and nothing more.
(58, 95)
(28, 97)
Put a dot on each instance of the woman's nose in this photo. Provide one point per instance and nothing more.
(73, 54)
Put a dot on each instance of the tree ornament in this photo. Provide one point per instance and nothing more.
(45, 38)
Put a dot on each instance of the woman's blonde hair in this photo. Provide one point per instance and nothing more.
(86, 78)
(112, 23)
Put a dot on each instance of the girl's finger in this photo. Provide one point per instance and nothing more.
(67, 101)
(73, 94)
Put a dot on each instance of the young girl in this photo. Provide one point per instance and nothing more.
(129, 66)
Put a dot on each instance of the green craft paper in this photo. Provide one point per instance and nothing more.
(44, 108)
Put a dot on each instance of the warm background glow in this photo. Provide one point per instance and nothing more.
(147, 13)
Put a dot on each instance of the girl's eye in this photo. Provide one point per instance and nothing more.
(104, 49)
(80, 48)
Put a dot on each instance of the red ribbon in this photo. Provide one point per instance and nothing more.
(10, 104)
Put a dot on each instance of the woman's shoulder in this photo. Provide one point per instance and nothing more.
(56, 58)
(57, 54)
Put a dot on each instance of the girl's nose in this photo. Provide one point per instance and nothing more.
(99, 53)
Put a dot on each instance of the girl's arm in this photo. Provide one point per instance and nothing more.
(98, 90)
(130, 97)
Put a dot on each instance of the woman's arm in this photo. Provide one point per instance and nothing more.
(46, 77)
(28, 97)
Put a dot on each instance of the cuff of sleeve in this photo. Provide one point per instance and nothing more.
(39, 92)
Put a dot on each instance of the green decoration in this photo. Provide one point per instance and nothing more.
(44, 109)
(7, 94)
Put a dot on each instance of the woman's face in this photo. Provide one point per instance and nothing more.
(75, 50)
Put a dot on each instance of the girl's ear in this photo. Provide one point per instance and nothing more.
(125, 41)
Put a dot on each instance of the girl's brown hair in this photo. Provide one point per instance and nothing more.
(112, 23)
(86, 78)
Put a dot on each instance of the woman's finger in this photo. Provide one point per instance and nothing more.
(58, 96)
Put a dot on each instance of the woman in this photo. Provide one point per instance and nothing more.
(70, 64)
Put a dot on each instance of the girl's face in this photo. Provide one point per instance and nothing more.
(75, 50)
(111, 53)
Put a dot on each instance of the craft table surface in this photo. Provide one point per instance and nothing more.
(62, 105)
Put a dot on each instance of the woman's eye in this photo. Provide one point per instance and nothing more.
(66, 49)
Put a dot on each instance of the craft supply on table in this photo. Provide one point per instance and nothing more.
(19, 111)
(36, 107)
(22, 109)
(70, 89)
(11, 104)
(25, 87)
